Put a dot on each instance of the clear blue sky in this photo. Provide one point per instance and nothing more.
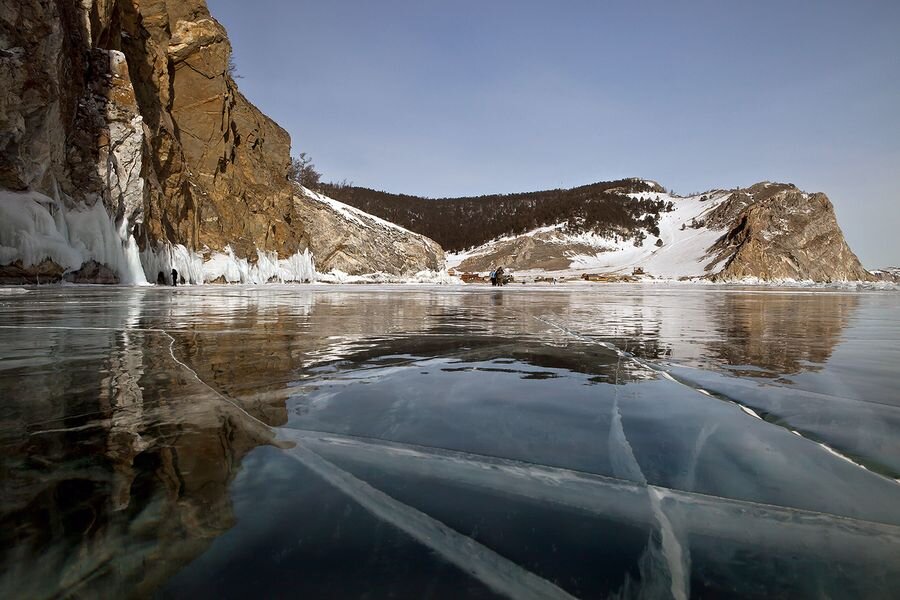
(479, 96)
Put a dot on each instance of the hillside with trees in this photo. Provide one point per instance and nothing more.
(461, 223)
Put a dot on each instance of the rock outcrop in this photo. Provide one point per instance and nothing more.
(351, 241)
(889, 274)
(543, 250)
(782, 233)
(132, 104)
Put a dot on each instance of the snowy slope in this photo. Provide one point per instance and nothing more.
(353, 214)
(350, 243)
(684, 252)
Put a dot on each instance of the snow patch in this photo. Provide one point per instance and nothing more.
(684, 250)
(422, 277)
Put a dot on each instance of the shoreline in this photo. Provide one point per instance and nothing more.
(808, 286)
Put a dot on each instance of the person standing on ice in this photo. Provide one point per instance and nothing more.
(174, 277)
(493, 277)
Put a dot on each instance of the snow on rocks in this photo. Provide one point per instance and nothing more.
(351, 213)
(347, 240)
(35, 228)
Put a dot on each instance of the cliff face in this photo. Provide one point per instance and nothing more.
(131, 104)
(777, 232)
(350, 240)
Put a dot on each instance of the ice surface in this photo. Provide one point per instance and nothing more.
(327, 440)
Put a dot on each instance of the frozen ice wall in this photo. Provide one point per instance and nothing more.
(226, 267)
(35, 227)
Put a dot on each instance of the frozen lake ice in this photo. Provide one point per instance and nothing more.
(448, 442)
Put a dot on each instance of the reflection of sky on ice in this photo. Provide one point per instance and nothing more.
(687, 439)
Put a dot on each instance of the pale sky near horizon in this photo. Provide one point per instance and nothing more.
(474, 97)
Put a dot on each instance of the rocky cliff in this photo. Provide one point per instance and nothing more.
(130, 106)
(777, 232)
(889, 274)
(351, 241)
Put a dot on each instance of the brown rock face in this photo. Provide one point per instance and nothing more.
(783, 233)
(45, 272)
(236, 157)
(132, 103)
(538, 251)
(41, 62)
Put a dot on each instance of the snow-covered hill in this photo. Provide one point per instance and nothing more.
(685, 242)
(553, 250)
(768, 231)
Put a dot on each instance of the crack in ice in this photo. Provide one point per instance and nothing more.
(498, 573)
(495, 571)
(626, 465)
(746, 409)
(555, 475)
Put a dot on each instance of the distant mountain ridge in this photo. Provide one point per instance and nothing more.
(769, 231)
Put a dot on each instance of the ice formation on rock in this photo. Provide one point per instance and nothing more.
(35, 228)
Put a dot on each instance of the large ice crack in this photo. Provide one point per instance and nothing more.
(625, 465)
(496, 572)
(749, 411)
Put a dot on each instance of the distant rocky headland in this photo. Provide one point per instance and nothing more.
(127, 151)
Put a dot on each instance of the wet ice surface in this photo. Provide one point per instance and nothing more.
(441, 442)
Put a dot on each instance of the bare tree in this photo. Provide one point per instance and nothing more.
(303, 171)
(231, 69)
